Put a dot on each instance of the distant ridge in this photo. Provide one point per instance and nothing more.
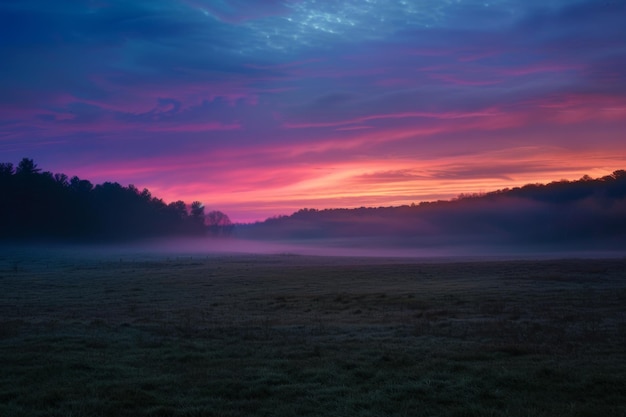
(587, 211)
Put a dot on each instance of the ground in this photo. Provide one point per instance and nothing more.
(285, 335)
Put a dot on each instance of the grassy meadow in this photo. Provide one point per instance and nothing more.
(285, 335)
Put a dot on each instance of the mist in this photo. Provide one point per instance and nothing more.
(584, 218)
(562, 219)
(377, 249)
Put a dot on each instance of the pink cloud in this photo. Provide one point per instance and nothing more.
(255, 182)
(143, 97)
(342, 129)
(191, 127)
(538, 68)
(580, 108)
(401, 115)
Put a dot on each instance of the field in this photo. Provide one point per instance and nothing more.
(286, 335)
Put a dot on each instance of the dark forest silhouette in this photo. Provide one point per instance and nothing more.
(36, 204)
(42, 205)
(586, 211)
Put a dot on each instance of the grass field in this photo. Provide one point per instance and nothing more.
(294, 336)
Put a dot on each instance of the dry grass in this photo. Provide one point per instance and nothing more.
(291, 335)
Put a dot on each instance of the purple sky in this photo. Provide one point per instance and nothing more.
(259, 108)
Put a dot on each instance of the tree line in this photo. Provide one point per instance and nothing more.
(564, 212)
(36, 204)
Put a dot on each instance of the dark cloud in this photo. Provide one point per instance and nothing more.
(111, 25)
(577, 13)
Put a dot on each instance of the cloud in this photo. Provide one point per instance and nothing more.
(238, 11)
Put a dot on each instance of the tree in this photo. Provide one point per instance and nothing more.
(197, 217)
(6, 169)
(27, 167)
(179, 208)
(217, 218)
(619, 174)
(145, 194)
(80, 186)
(62, 180)
(195, 220)
(218, 222)
(197, 210)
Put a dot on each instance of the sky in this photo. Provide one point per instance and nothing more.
(260, 108)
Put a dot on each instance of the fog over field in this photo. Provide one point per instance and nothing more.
(374, 247)
(383, 247)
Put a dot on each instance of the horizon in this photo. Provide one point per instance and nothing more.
(457, 197)
(259, 109)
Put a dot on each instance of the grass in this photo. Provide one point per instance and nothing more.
(291, 335)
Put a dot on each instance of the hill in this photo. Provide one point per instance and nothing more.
(584, 212)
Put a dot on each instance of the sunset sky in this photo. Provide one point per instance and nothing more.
(262, 107)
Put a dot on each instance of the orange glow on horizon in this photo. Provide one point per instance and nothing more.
(348, 186)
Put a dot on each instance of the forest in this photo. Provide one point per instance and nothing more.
(38, 204)
(43, 205)
(586, 211)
